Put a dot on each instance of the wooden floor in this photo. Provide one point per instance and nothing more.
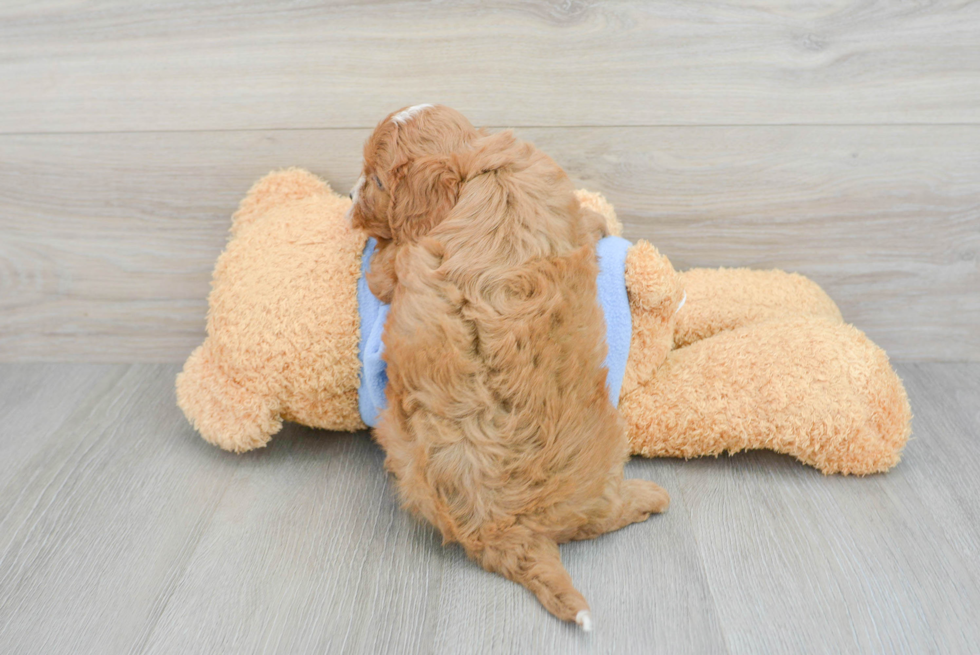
(121, 531)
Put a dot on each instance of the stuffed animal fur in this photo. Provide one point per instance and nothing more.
(721, 360)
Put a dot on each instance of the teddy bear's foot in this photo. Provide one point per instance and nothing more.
(225, 413)
(811, 388)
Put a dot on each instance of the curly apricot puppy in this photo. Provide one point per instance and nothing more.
(499, 427)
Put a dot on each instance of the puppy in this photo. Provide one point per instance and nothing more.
(499, 428)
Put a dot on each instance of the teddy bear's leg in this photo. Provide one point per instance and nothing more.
(815, 389)
(225, 413)
(725, 299)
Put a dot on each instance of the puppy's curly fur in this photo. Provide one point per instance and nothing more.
(499, 428)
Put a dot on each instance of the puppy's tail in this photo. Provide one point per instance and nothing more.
(532, 560)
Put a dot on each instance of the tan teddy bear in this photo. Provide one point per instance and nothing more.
(720, 360)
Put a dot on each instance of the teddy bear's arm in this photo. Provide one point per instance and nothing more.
(655, 294)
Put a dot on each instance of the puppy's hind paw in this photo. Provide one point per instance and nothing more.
(584, 620)
(647, 497)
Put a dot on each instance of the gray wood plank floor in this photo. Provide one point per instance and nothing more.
(122, 531)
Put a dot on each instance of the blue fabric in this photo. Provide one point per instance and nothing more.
(615, 309)
(611, 282)
(374, 313)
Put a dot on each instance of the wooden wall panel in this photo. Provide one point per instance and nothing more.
(116, 65)
(107, 240)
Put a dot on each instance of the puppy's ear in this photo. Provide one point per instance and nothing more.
(426, 191)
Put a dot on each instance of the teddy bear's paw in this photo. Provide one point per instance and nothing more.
(651, 281)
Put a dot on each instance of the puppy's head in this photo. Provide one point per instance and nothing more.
(410, 178)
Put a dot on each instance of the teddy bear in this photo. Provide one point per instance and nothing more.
(719, 360)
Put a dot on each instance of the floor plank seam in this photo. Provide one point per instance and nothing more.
(704, 572)
(86, 405)
(142, 643)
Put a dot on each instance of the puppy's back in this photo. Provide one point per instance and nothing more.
(497, 343)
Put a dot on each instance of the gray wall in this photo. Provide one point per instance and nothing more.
(841, 142)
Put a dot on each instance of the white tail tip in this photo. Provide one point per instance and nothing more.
(584, 619)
